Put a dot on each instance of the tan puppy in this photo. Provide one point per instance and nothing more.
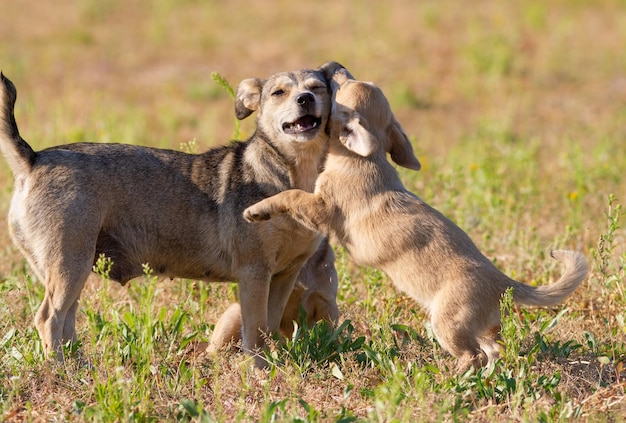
(360, 199)
(180, 213)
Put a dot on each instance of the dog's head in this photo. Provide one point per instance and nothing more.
(293, 107)
(363, 122)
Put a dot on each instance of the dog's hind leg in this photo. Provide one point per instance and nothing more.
(69, 326)
(227, 329)
(56, 318)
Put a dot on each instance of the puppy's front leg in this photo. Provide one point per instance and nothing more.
(307, 209)
(268, 208)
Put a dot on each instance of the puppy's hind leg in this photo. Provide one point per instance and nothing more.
(457, 335)
(489, 344)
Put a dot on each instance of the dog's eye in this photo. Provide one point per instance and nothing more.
(278, 93)
(318, 88)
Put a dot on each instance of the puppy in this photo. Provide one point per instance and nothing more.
(360, 199)
(179, 213)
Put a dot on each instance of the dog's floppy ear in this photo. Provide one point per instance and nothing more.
(356, 138)
(401, 150)
(248, 97)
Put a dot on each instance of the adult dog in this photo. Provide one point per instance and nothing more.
(360, 200)
(180, 213)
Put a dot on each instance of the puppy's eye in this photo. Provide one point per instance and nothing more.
(278, 93)
(318, 88)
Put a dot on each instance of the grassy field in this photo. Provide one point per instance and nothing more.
(517, 110)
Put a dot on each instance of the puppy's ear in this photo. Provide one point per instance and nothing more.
(356, 138)
(248, 97)
(341, 76)
(329, 69)
(401, 150)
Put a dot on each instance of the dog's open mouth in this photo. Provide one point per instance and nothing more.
(305, 123)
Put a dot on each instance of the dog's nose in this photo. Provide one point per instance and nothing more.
(304, 99)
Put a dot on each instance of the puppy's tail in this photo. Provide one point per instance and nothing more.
(17, 152)
(576, 270)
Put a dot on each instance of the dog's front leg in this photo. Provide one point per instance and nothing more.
(280, 290)
(254, 287)
(308, 209)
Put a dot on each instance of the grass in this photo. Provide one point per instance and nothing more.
(517, 112)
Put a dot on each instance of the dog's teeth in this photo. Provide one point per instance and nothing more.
(298, 127)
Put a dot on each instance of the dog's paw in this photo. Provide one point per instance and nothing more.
(253, 215)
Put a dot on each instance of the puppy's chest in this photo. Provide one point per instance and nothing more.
(364, 227)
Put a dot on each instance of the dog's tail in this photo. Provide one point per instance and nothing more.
(17, 152)
(576, 269)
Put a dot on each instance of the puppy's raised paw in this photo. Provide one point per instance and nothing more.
(252, 214)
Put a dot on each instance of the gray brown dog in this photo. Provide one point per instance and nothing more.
(179, 213)
(360, 200)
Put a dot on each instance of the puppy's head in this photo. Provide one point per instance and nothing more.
(363, 122)
(293, 107)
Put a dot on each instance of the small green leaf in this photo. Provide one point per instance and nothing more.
(336, 372)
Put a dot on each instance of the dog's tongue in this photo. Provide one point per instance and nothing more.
(301, 125)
